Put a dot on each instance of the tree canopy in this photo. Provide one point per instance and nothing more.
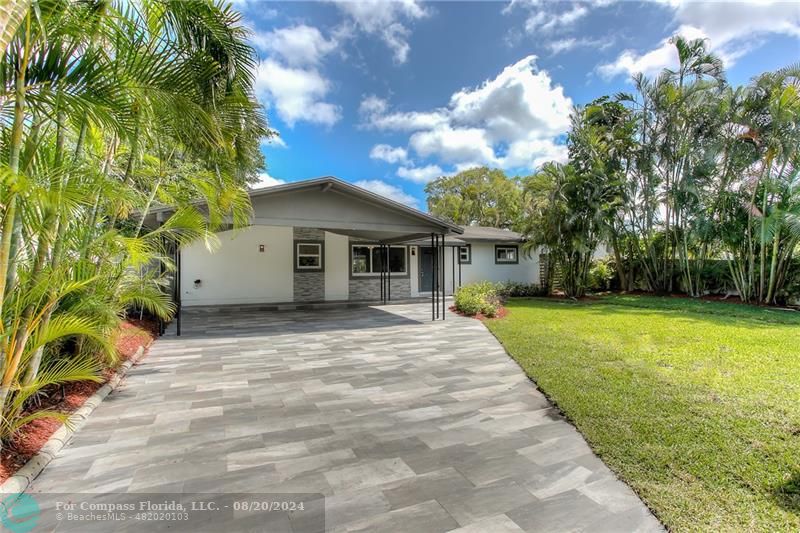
(478, 196)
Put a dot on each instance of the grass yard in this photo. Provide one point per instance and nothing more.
(695, 404)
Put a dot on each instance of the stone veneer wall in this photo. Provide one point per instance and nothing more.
(309, 286)
(370, 288)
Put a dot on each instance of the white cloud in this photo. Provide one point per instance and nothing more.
(544, 21)
(562, 45)
(385, 19)
(276, 141)
(518, 113)
(520, 101)
(420, 174)
(296, 45)
(296, 94)
(533, 154)
(390, 154)
(388, 190)
(373, 111)
(453, 144)
(732, 30)
(265, 180)
(565, 45)
(650, 63)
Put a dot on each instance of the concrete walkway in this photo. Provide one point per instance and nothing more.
(403, 424)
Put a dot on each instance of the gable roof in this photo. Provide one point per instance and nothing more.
(332, 182)
(334, 205)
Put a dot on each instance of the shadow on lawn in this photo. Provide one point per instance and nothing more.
(718, 314)
(787, 494)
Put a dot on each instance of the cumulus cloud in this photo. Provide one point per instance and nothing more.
(296, 94)
(510, 120)
(289, 79)
(265, 180)
(296, 45)
(387, 20)
(420, 174)
(453, 144)
(520, 100)
(732, 30)
(388, 190)
(533, 153)
(390, 154)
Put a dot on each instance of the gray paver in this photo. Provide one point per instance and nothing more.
(402, 423)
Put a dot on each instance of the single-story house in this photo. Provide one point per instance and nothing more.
(327, 240)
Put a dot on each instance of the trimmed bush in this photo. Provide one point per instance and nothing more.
(513, 289)
(482, 297)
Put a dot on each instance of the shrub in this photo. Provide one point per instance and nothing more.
(601, 273)
(514, 289)
(482, 297)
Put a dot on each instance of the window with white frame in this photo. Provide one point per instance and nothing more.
(368, 259)
(308, 256)
(506, 254)
(465, 254)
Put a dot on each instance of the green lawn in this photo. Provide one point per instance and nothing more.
(696, 405)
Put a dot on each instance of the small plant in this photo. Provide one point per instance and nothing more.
(601, 273)
(483, 297)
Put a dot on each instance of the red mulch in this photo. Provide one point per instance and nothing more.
(31, 437)
(501, 312)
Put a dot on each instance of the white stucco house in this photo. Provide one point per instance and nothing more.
(325, 240)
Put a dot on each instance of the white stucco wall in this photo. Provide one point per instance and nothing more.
(237, 272)
(337, 265)
(483, 267)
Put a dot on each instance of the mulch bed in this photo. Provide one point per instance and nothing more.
(501, 312)
(68, 399)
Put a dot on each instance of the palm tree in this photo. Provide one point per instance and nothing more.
(109, 108)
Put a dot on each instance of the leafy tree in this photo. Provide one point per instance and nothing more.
(478, 196)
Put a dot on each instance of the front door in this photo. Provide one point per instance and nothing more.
(425, 269)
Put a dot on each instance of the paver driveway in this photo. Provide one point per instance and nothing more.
(402, 423)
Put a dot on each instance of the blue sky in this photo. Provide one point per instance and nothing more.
(389, 95)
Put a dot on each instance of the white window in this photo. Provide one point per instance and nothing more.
(308, 256)
(506, 254)
(368, 259)
(465, 254)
